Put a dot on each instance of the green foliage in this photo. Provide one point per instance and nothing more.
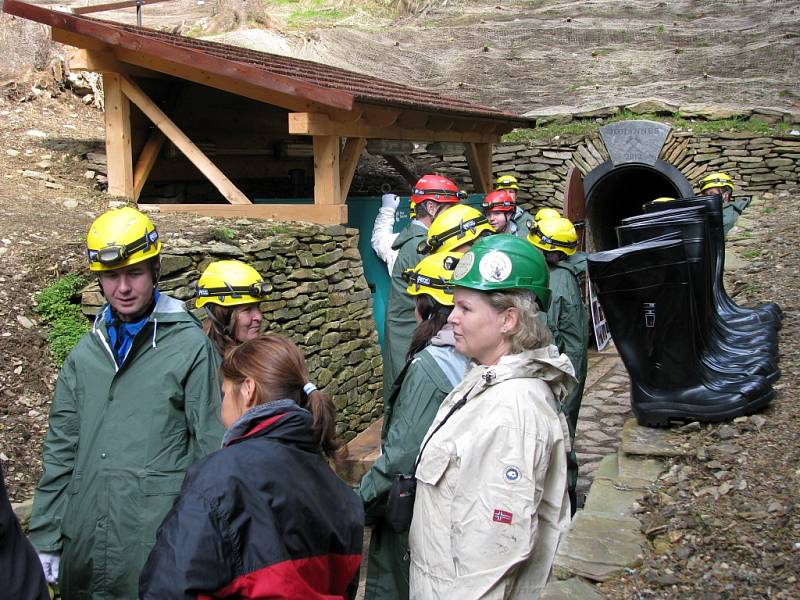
(581, 127)
(63, 318)
(750, 254)
(660, 29)
(223, 234)
(601, 52)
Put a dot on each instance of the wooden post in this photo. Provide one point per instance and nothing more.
(327, 187)
(118, 137)
(348, 162)
(479, 160)
(225, 186)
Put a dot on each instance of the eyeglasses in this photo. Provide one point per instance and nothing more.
(115, 254)
(257, 290)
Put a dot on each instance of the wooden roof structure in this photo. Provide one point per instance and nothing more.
(339, 109)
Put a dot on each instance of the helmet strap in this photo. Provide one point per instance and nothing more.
(225, 330)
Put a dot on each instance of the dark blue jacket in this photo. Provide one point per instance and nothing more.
(263, 517)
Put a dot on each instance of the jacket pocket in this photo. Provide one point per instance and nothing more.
(161, 484)
(433, 465)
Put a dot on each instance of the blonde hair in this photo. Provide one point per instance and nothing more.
(531, 333)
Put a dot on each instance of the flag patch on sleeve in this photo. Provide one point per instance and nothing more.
(502, 516)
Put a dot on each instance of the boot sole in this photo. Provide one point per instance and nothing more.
(661, 415)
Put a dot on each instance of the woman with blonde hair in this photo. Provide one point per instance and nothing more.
(265, 516)
(491, 495)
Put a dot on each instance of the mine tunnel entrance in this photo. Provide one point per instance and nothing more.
(613, 193)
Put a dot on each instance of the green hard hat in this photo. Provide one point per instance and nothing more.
(504, 262)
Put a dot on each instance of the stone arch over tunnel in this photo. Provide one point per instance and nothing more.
(615, 192)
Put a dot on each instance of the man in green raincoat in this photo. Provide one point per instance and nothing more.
(431, 195)
(567, 319)
(136, 403)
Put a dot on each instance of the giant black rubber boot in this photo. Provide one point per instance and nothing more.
(765, 312)
(645, 292)
(691, 224)
(726, 357)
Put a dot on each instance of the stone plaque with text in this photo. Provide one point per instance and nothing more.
(634, 141)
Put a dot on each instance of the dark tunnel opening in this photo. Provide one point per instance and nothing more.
(613, 193)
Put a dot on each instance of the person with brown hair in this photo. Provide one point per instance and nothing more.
(265, 516)
(231, 292)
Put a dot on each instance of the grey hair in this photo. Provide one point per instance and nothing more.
(531, 332)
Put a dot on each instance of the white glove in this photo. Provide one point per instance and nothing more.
(390, 201)
(50, 562)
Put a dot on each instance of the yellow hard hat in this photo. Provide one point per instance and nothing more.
(412, 210)
(714, 180)
(119, 238)
(506, 182)
(230, 283)
(433, 275)
(665, 199)
(459, 224)
(546, 213)
(554, 234)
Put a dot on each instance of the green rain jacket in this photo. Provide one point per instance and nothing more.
(118, 444)
(431, 375)
(400, 322)
(569, 323)
(731, 213)
(518, 224)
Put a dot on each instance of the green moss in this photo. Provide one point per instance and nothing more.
(63, 318)
(582, 127)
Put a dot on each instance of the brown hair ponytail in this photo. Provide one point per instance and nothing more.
(279, 371)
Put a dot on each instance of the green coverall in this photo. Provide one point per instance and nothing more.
(568, 321)
(407, 416)
(400, 322)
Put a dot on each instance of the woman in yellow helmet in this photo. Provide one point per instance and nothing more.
(721, 184)
(433, 369)
(231, 292)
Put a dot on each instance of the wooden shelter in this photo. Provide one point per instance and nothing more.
(233, 115)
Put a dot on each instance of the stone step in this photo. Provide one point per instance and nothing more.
(574, 588)
(362, 451)
(599, 546)
(647, 441)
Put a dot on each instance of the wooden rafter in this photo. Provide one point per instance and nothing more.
(347, 164)
(146, 161)
(225, 186)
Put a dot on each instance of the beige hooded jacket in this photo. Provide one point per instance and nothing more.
(491, 499)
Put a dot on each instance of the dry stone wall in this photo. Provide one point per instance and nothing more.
(757, 163)
(320, 300)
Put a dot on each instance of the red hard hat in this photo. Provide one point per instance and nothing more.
(436, 188)
(499, 200)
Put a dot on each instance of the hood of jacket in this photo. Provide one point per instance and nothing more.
(444, 337)
(414, 230)
(543, 363)
(281, 420)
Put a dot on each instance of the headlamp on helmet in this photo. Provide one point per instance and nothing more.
(506, 182)
(499, 200)
(119, 238)
(716, 180)
(433, 276)
(554, 235)
(231, 283)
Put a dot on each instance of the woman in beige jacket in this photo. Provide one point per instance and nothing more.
(491, 498)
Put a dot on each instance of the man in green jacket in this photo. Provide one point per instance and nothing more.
(567, 319)
(431, 195)
(136, 403)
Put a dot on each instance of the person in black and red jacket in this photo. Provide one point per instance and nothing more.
(265, 516)
(21, 575)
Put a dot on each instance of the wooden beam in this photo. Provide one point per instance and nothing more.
(69, 38)
(327, 187)
(380, 117)
(104, 61)
(147, 158)
(225, 186)
(479, 159)
(398, 165)
(348, 162)
(321, 124)
(118, 137)
(330, 214)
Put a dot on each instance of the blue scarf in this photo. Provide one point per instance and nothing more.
(121, 334)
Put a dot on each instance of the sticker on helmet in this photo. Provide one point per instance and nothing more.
(464, 265)
(495, 266)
